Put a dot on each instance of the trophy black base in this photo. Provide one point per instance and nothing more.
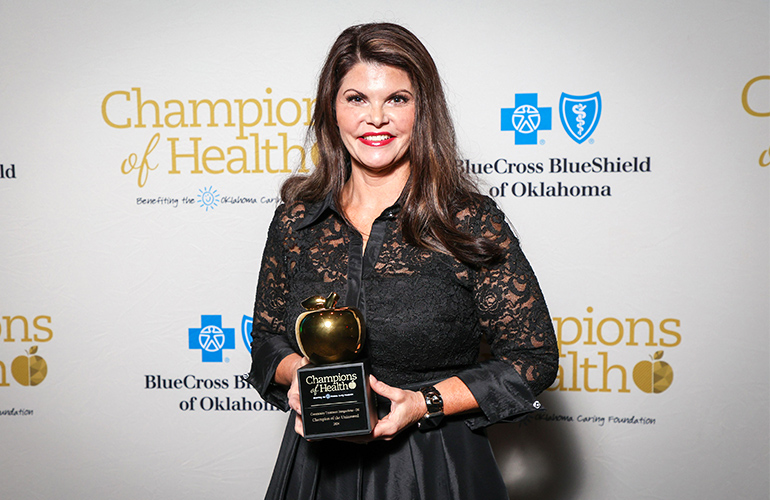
(336, 400)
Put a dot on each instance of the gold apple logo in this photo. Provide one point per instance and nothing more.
(30, 369)
(653, 376)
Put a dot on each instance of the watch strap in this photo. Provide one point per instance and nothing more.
(435, 405)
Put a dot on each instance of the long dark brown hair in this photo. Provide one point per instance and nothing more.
(437, 189)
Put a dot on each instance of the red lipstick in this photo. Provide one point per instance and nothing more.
(375, 139)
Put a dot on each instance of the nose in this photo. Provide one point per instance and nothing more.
(377, 116)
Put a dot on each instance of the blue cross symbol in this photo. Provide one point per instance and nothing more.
(525, 119)
(211, 338)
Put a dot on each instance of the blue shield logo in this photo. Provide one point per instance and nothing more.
(580, 114)
(246, 323)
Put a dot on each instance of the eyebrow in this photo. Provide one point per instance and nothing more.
(391, 94)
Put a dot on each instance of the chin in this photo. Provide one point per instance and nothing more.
(380, 164)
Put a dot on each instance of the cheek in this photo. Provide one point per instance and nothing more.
(407, 119)
(408, 125)
(346, 121)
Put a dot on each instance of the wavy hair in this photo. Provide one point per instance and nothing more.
(437, 189)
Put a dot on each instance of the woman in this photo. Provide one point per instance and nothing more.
(387, 220)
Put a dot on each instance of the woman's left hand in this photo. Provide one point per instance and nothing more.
(406, 408)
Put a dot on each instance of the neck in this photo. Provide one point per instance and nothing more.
(366, 195)
(370, 193)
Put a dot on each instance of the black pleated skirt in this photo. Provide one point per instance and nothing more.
(449, 462)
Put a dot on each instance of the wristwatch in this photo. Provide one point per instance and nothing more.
(435, 405)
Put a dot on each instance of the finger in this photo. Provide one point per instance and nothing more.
(386, 429)
(298, 427)
(385, 390)
(294, 402)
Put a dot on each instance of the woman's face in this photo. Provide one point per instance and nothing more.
(375, 113)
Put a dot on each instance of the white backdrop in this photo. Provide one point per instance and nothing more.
(123, 248)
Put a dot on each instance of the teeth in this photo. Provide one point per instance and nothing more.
(376, 138)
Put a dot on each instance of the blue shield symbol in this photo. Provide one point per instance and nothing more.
(246, 324)
(580, 114)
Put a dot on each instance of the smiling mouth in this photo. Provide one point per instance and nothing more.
(376, 139)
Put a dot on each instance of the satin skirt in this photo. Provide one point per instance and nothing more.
(449, 462)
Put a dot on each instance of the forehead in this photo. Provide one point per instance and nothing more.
(375, 76)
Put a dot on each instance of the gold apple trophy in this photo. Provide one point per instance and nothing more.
(334, 389)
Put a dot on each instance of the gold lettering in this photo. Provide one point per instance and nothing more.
(762, 161)
(129, 164)
(574, 355)
(586, 366)
(8, 334)
(220, 155)
(241, 122)
(745, 97)
(193, 155)
(309, 106)
(42, 328)
(3, 375)
(269, 102)
(560, 337)
(257, 170)
(606, 371)
(601, 337)
(280, 116)
(178, 113)
(212, 118)
(140, 108)
(287, 149)
(676, 335)
(109, 122)
(267, 147)
(241, 160)
(632, 331)
(590, 323)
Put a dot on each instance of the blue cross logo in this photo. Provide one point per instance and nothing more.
(525, 119)
(211, 338)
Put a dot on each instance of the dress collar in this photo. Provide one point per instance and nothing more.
(317, 210)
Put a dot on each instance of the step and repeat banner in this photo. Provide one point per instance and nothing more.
(142, 145)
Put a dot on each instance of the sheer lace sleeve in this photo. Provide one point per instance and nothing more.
(270, 344)
(514, 317)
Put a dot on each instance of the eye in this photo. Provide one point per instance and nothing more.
(400, 99)
(354, 98)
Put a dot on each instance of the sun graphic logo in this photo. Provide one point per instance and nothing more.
(29, 370)
(211, 338)
(208, 198)
(653, 376)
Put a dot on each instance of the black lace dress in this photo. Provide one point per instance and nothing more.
(426, 314)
